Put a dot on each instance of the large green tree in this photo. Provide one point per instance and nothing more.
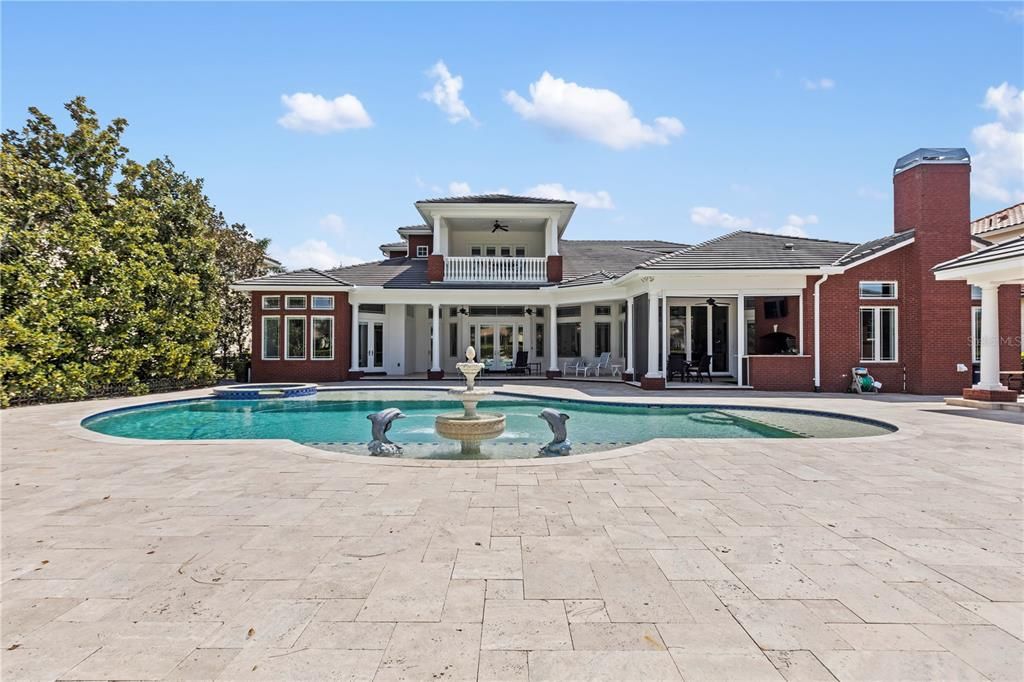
(108, 267)
(239, 256)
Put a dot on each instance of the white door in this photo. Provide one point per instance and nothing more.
(371, 346)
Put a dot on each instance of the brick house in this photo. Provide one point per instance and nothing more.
(748, 309)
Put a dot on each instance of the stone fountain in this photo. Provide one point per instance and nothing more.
(470, 427)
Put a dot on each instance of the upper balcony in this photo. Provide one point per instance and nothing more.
(492, 238)
(495, 269)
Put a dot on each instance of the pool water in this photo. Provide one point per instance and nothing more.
(337, 421)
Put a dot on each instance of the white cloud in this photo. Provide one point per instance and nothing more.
(818, 83)
(313, 253)
(445, 94)
(332, 222)
(871, 193)
(1014, 14)
(998, 163)
(591, 113)
(708, 216)
(795, 224)
(555, 190)
(459, 189)
(311, 113)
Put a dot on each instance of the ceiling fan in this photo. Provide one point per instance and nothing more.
(499, 226)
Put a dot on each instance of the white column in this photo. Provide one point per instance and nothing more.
(440, 237)
(664, 335)
(630, 340)
(551, 237)
(355, 337)
(652, 335)
(741, 336)
(989, 374)
(552, 332)
(436, 338)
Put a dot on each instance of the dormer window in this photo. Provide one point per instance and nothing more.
(421, 251)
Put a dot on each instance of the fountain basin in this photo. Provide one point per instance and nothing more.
(482, 426)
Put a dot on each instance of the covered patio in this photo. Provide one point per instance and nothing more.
(998, 271)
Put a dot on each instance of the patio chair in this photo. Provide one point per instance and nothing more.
(701, 370)
(602, 362)
(587, 367)
(574, 364)
(676, 365)
(522, 365)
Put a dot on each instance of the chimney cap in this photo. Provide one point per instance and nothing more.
(932, 155)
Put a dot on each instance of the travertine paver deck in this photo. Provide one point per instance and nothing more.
(899, 557)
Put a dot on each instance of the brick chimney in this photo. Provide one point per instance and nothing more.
(932, 196)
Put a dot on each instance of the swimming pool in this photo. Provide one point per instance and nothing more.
(336, 421)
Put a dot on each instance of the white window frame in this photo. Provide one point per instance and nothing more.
(517, 249)
(502, 251)
(975, 333)
(490, 251)
(305, 334)
(422, 251)
(288, 302)
(263, 337)
(263, 302)
(312, 326)
(868, 297)
(877, 340)
(314, 306)
(478, 248)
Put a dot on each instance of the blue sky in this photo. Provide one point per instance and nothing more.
(766, 116)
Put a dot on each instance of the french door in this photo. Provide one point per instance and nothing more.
(699, 330)
(371, 346)
(497, 341)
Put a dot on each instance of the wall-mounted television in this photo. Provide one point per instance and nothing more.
(776, 308)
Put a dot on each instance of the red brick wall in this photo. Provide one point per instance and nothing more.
(1009, 327)
(554, 268)
(308, 369)
(435, 268)
(781, 372)
(840, 323)
(415, 240)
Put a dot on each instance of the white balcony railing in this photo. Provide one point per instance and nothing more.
(491, 269)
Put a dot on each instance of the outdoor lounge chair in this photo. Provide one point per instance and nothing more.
(602, 362)
(522, 365)
(588, 367)
(574, 364)
(701, 370)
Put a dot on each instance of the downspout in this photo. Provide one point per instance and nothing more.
(817, 332)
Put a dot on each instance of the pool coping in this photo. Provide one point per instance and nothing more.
(74, 427)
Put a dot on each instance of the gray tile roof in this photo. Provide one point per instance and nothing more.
(744, 250)
(308, 277)
(592, 278)
(1008, 250)
(868, 249)
(615, 257)
(399, 273)
(493, 199)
